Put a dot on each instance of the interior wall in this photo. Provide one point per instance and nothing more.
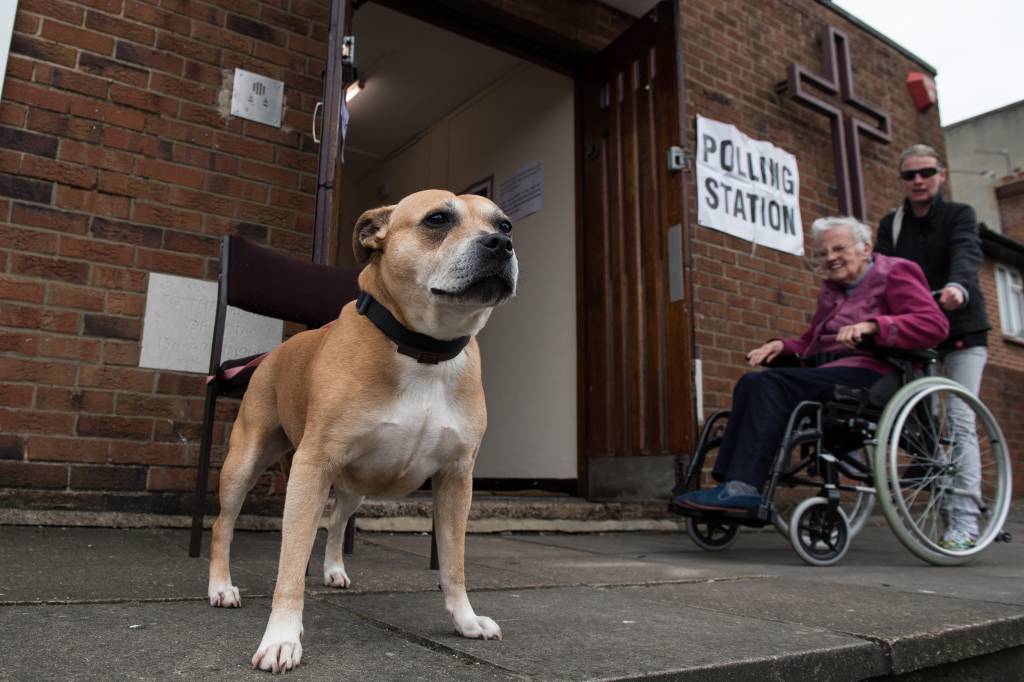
(529, 345)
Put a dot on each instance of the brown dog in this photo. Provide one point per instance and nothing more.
(369, 420)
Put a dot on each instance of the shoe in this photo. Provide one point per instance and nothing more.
(958, 540)
(718, 499)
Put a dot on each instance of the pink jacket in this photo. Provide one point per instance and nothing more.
(894, 294)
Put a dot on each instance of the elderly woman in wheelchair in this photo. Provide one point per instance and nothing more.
(874, 315)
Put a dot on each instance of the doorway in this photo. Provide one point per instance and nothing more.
(438, 110)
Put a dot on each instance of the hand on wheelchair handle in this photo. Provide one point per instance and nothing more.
(765, 354)
(853, 335)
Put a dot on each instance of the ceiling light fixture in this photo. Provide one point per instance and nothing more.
(353, 89)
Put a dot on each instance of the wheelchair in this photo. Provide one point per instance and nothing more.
(893, 442)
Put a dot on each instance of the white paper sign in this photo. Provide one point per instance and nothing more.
(748, 188)
(522, 193)
(177, 331)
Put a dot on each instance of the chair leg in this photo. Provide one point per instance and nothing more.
(203, 473)
(348, 546)
(434, 565)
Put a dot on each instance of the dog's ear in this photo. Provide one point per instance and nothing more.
(369, 232)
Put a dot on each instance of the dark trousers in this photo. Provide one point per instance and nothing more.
(761, 405)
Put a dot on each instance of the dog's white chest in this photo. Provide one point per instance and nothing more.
(416, 435)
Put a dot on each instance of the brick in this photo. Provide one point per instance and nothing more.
(35, 421)
(109, 68)
(202, 201)
(170, 263)
(183, 89)
(165, 478)
(69, 348)
(118, 278)
(153, 59)
(190, 243)
(42, 50)
(107, 478)
(103, 426)
(95, 156)
(21, 343)
(166, 454)
(28, 190)
(71, 35)
(268, 173)
(79, 298)
(50, 268)
(229, 40)
(108, 113)
(63, 126)
(45, 448)
(116, 378)
(63, 173)
(72, 81)
(152, 16)
(11, 447)
(175, 383)
(42, 319)
(74, 400)
(111, 326)
(195, 50)
(51, 219)
(129, 233)
(98, 203)
(18, 289)
(165, 216)
(32, 475)
(203, 73)
(255, 29)
(128, 30)
(170, 172)
(15, 396)
(122, 303)
(123, 354)
(96, 251)
(30, 143)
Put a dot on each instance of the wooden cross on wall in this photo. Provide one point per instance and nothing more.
(838, 78)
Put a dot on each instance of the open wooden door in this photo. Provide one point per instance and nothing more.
(636, 346)
(338, 69)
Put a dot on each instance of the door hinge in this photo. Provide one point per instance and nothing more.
(678, 159)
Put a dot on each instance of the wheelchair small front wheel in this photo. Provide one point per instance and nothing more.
(711, 535)
(819, 534)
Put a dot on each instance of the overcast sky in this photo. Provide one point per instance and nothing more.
(975, 45)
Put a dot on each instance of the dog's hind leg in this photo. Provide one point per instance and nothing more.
(254, 445)
(345, 504)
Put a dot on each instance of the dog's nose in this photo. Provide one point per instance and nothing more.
(497, 245)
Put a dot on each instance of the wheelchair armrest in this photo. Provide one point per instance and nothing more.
(923, 356)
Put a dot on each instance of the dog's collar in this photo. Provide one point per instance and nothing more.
(420, 347)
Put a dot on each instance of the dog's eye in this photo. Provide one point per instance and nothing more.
(505, 226)
(438, 219)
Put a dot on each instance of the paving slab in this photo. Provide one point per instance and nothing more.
(916, 630)
(595, 633)
(193, 641)
(552, 564)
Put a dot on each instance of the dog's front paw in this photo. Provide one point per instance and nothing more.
(280, 650)
(335, 576)
(478, 627)
(224, 595)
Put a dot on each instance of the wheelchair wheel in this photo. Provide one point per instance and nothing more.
(856, 505)
(711, 535)
(923, 470)
(819, 536)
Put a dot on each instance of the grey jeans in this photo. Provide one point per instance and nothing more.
(965, 367)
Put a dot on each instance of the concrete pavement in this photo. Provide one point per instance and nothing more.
(99, 604)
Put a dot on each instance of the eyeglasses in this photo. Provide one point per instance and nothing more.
(925, 173)
(837, 250)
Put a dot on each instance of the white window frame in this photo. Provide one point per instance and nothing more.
(1010, 289)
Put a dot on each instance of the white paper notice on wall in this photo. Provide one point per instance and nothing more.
(177, 331)
(522, 193)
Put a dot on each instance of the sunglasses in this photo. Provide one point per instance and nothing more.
(925, 173)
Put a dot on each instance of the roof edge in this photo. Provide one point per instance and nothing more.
(860, 23)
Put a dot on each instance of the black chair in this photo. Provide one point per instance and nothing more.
(262, 281)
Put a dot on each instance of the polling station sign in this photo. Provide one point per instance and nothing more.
(747, 188)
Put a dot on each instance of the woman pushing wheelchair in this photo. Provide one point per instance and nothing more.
(864, 295)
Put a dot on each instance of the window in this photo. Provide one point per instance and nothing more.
(1011, 301)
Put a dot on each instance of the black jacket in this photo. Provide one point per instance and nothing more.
(946, 245)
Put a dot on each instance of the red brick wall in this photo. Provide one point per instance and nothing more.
(117, 159)
(734, 54)
(1010, 197)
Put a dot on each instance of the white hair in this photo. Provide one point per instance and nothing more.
(860, 232)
